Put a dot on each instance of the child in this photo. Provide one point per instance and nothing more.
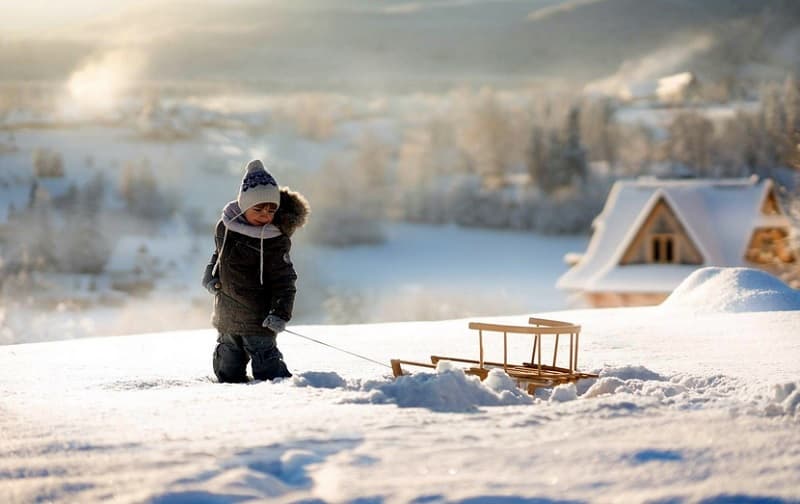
(252, 277)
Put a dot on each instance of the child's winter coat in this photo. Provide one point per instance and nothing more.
(255, 273)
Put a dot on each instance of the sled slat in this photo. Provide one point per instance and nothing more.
(549, 323)
(521, 329)
(397, 370)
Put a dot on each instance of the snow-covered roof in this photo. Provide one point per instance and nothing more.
(719, 217)
(665, 88)
(673, 85)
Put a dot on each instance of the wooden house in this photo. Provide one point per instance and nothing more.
(652, 233)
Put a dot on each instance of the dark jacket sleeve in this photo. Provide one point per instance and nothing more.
(283, 278)
(208, 274)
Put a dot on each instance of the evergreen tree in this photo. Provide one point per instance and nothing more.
(574, 163)
(536, 159)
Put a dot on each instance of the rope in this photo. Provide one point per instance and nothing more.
(339, 349)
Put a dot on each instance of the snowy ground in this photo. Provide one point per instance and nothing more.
(698, 401)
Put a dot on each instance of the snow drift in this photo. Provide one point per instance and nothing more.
(685, 409)
(732, 290)
(449, 389)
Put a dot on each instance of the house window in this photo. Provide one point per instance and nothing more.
(662, 248)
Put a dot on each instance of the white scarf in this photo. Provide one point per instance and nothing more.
(231, 220)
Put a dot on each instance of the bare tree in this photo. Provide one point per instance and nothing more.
(371, 163)
(486, 136)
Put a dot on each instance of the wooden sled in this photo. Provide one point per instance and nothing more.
(528, 375)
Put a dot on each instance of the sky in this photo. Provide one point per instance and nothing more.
(393, 44)
(28, 17)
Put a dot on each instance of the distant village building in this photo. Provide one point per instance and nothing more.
(653, 233)
(669, 90)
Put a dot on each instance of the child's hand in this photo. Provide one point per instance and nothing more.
(275, 324)
(213, 286)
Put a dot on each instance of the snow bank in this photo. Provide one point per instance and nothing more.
(631, 373)
(446, 390)
(732, 290)
(449, 389)
(630, 387)
(785, 400)
(319, 379)
(563, 393)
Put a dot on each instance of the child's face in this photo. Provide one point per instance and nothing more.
(261, 214)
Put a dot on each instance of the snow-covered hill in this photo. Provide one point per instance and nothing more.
(697, 402)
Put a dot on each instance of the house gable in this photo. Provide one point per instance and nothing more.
(769, 246)
(770, 204)
(661, 239)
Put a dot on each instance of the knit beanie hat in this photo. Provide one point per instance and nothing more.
(258, 186)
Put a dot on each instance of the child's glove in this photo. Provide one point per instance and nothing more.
(275, 324)
(213, 286)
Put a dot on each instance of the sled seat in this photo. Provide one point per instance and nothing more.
(528, 375)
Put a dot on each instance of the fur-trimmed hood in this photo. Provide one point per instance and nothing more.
(292, 213)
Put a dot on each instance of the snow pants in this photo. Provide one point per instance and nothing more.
(234, 351)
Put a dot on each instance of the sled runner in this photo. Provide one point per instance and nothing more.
(528, 375)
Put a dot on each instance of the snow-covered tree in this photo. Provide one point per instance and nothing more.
(486, 135)
(599, 131)
(637, 152)
(47, 163)
(371, 163)
(562, 162)
(574, 160)
(139, 188)
(537, 158)
(82, 246)
(343, 212)
(94, 193)
(690, 142)
(426, 153)
(791, 100)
